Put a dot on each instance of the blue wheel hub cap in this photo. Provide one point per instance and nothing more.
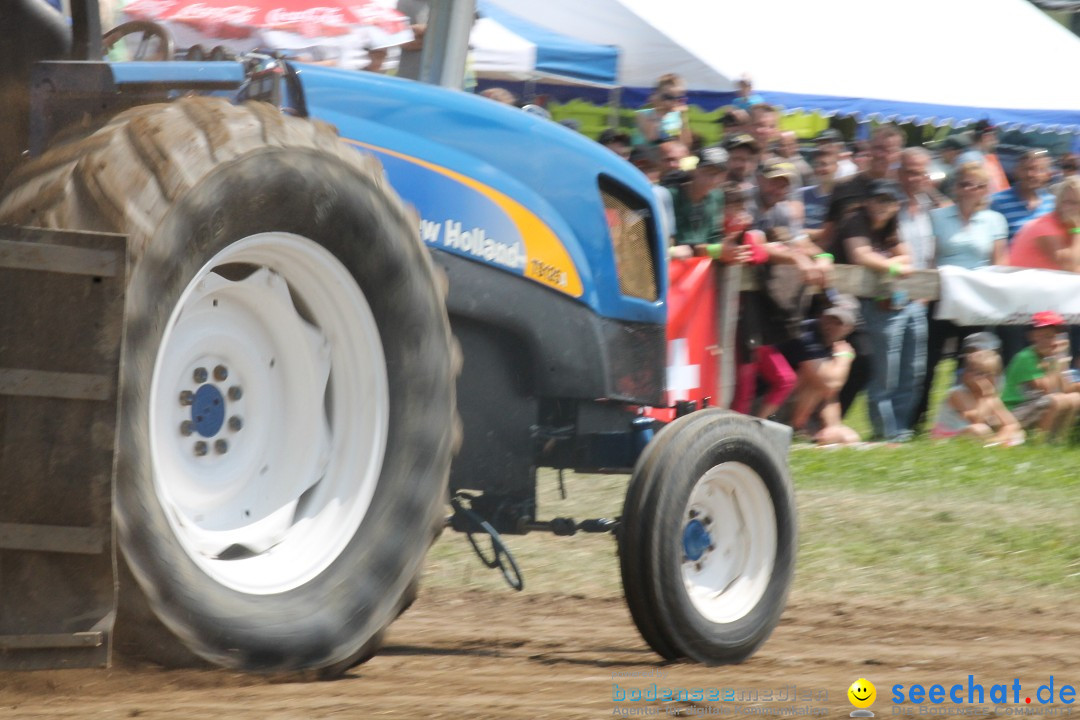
(208, 411)
(695, 540)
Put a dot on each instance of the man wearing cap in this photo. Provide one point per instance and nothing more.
(1037, 388)
(743, 153)
(616, 141)
(776, 215)
(699, 203)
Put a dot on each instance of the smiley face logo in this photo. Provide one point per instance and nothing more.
(862, 693)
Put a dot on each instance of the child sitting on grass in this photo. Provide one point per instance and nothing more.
(1038, 391)
(973, 407)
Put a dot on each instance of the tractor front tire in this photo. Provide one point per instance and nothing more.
(287, 403)
(708, 538)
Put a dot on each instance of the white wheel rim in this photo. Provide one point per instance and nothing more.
(728, 543)
(294, 332)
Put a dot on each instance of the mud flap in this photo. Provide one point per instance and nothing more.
(61, 324)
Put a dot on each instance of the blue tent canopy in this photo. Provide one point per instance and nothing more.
(520, 48)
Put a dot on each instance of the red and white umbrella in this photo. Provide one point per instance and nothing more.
(242, 25)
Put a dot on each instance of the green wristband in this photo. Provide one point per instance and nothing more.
(844, 354)
(894, 269)
(1074, 231)
(825, 256)
(713, 250)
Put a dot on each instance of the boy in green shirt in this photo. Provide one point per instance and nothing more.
(1037, 390)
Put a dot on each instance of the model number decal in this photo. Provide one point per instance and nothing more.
(548, 274)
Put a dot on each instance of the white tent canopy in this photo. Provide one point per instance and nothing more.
(950, 61)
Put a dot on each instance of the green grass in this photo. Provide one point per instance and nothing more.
(940, 519)
(949, 518)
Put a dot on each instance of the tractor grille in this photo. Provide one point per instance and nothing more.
(629, 224)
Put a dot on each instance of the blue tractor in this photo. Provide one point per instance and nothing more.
(270, 328)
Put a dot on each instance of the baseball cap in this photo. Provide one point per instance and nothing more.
(1047, 318)
(887, 188)
(611, 135)
(712, 156)
(829, 135)
(981, 341)
(741, 140)
(778, 168)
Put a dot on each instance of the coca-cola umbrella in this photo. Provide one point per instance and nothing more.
(317, 29)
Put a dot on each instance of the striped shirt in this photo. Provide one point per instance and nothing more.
(1016, 210)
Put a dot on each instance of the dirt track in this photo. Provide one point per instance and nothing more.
(496, 655)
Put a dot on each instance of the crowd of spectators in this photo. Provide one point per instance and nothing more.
(805, 352)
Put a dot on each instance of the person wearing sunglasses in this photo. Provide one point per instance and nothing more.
(969, 235)
(667, 116)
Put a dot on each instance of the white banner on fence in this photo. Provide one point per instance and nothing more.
(1006, 296)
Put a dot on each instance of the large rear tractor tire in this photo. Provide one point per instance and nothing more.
(708, 538)
(287, 392)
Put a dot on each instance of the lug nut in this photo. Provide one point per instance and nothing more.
(711, 548)
(186, 398)
(221, 373)
(221, 447)
(186, 428)
(697, 566)
(235, 393)
(200, 448)
(693, 514)
(235, 423)
(707, 520)
(200, 375)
